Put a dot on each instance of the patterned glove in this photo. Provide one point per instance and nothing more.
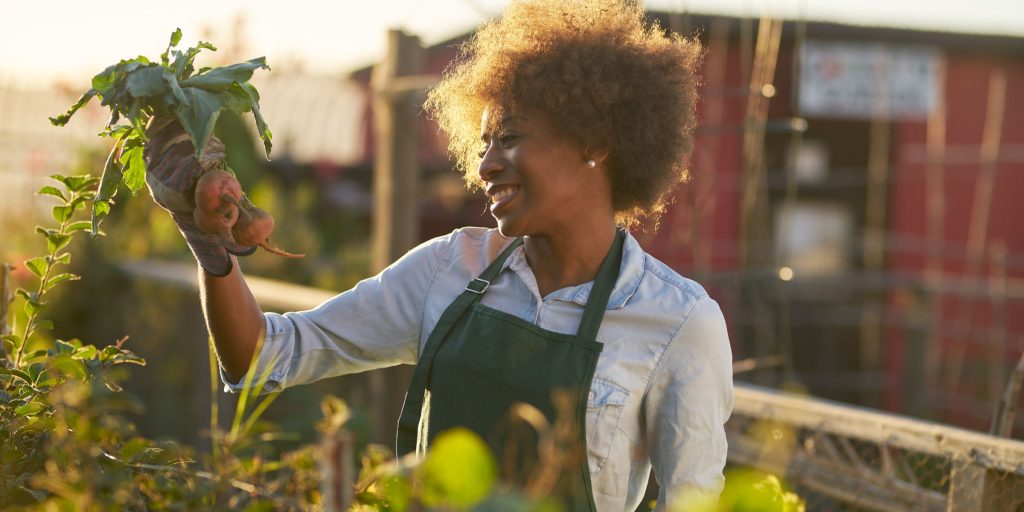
(171, 174)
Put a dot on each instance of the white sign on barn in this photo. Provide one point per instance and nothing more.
(861, 81)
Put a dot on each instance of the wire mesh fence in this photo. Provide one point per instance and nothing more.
(845, 458)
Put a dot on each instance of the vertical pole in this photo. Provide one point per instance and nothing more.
(396, 169)
(935, 206)
(997, 348)
(981, 210)
(783, 258)
(874, 231)
(753, 216)
(338, 472)
(396, 202)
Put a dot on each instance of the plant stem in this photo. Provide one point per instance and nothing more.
(5, 300)
(30, 323)
(215, 437)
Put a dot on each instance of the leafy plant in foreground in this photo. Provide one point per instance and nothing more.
(65, 441)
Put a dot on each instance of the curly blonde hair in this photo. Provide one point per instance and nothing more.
(607, 80)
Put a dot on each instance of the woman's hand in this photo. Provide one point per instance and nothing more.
(171, 174)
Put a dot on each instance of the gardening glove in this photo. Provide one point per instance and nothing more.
(171, 174)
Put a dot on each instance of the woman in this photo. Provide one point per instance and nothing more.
(576, 120)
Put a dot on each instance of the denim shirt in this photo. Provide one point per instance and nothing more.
(662, 390)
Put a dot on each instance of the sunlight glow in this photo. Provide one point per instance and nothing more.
(65, 41)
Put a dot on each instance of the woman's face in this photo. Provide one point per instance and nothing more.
(538, 183)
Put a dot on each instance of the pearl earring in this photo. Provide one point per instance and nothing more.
(591, 164)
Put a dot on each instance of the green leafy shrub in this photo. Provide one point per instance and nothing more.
(67, 444)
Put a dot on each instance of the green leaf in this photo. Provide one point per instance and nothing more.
(77, 226)
(37, 266)
(134, 170)
(57, 241)
(64, 258)
(62, 213)
(115, 355)
(261, 125)
(67, 347)
(116, 131)
(30, 409)
(236, 99)
(60, 278)
(35, 370)
(110, 84)
(104, 80)
(52, 191)
(175, 89)
(74, 183)
(221, 79)
(36, 354)
(175, 39)
(100, 209)
(11, 341)
(45, 324)
(20, 374)
(27, 296)
(86, 352)
(199, 115)
(79, 201)
(146, 81)
(459, 470)
(136, 116)
(182, 64)
(33, 308)
(111, 176)
(63, 119)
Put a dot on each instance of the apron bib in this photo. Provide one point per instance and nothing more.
(479, 362)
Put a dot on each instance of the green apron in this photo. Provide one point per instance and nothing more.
(478, 362)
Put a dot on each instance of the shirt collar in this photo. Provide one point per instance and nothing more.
(631, 270)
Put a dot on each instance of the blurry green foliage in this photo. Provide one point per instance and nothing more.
(67, 444)
(459, 471)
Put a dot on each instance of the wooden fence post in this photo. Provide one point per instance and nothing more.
(395, 201)
(974, 488)
(337, 470)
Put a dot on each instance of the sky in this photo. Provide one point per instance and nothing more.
(62, 40)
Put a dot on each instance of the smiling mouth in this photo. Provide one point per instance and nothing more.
(502, 196)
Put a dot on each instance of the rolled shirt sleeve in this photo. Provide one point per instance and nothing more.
(687, 404)
(376, 324)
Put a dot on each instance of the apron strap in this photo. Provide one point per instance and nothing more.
(601, 291)
(480, 284)
(473, 293)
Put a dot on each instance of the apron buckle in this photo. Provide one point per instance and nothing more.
(471, 287)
